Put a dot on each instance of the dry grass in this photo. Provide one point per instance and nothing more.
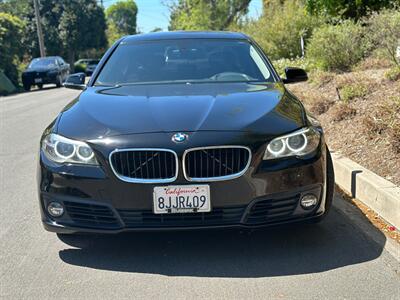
(385, 122)
(317, 103)
(321, 78)
(373, 63)
(365, 128)
(343, 111)
(388, 229)
(395, 138)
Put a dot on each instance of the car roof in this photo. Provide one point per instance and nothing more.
(185, 35)
(47, 57)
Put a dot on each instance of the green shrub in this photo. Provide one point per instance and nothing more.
(393, 74)
(338, 47)
(384, 33)
(279, 29)
(11, 48)
(281, 64)
(351, 91)
(79, 68)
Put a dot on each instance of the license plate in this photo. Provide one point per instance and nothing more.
(38, 80)
(181, 199)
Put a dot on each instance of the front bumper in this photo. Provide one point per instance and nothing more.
(34, 78)
(95, 200)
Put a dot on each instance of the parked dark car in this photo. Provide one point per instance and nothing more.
(183, 130)
(91, 66)
(43, 70)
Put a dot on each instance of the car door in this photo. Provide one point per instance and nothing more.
(64, 68)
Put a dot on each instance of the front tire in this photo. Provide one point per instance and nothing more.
(27, 87)
(58, 81)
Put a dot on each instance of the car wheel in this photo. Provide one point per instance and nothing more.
(27, 87)
(40, 86)
(330, 187)
(58, 81)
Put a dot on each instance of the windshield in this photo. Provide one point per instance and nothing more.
(43, 62)
(184, 60)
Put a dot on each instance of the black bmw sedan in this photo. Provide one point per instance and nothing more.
(183, 130)
(44, 70)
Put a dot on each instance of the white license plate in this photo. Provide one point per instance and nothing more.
(38, 80)
(181, 199)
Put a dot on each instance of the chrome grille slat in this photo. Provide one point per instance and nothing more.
(215, 163)
(154, 165)
(143, 165)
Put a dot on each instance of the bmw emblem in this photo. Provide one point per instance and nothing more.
(179, 137)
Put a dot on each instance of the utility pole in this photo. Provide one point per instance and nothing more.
(39, 29)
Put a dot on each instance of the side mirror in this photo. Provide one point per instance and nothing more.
(295, 75)
(75, 81)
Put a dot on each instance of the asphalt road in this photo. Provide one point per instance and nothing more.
(343, 258)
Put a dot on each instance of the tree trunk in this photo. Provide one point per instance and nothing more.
(71, 59)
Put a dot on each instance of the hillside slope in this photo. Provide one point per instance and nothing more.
(360, 113)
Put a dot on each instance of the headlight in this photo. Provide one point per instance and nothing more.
(62, 150)
(298, 143)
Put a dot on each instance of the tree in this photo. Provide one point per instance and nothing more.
(280, 28)
(81, 27)
(16, 8)
(121, 19)
(384, 32)
(71, 27)
(354, 9)
(11, 48)
(206, 14)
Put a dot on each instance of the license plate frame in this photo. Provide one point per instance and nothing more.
(181, 199)
(38, 80)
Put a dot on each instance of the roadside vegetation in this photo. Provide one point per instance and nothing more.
(351, 50)
(352, 55)
(72, 29)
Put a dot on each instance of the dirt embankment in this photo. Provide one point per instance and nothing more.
(360, 113)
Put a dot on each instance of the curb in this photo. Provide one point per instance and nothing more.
(379, 194)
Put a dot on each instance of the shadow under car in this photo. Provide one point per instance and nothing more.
(278, 251)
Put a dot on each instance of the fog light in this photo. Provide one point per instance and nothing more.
(308, 201)
(55, 209)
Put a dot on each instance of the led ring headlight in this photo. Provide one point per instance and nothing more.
(64, 150)
(299, 143)
(78, 153)
(280, 151)
(62, 155)
(297, 149)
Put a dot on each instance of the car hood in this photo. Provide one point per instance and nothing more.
(39, 69)
(98, 112)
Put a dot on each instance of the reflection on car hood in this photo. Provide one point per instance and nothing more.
(257, 108)
(39, 69)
